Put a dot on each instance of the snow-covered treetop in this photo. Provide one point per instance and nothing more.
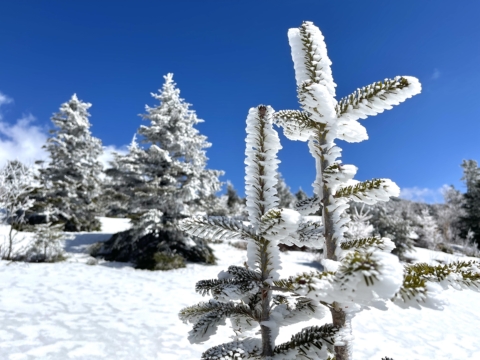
(73, 115)
(316, 91)
(263, 144)
(324, 119)
(173, 116)
(176, 145)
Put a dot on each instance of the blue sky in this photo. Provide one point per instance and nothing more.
(228, 56)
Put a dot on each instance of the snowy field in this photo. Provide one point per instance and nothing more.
(72, 310)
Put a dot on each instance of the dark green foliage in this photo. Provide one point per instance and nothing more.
(471, 220)
(145, 251)
(314, 336)
(301, 195)
(366, 243)
(165, 261)
(396, 220)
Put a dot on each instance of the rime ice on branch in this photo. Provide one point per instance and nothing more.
(248, 295)
(359, 272)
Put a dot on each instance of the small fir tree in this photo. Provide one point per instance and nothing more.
(285, 197)
(397, 221)
(358, 273)
(49, 243)
(72, 177)
(300, 195)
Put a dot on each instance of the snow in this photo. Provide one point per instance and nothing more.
(71, 310)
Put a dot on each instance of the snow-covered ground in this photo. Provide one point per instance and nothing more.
(71, 310)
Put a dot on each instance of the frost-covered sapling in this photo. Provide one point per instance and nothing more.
(16, 182)
(359, 273)
(247, 295)
(49, 243)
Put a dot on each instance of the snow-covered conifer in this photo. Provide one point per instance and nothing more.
(164, 180)
(300, 195)
(449, 214)
(471, 173)
(16, 182)
(429, 231)
(126, 178)
(72, 177)
(246, 294)
(174, 165)
(397, 221)
(285, 196)
(229, 204)
(358, 273)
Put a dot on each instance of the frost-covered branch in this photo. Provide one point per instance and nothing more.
(370, 191)
(315, 342)
(373, 99)
(240, 349)
(216, 227)
(308, 206)
(422, 283)
(262, 145)
(206, 317)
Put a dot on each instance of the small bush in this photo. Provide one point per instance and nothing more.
(165, 261)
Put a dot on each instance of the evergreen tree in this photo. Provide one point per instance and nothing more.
(126, 178)
(173, 167)
(300, 195)
(449, 214)
(471, 174)
(429, 232)
(163, 183)
(359, 273)
(397, 221)
(470, 221)
(285, 196)
(72, 177)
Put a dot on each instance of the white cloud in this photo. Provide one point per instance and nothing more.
(21, 141)
(108, 151)
(4, 99)
(436, 74)
(422, 194)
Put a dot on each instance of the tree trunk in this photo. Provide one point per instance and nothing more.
(338, 315)
(267, 347)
